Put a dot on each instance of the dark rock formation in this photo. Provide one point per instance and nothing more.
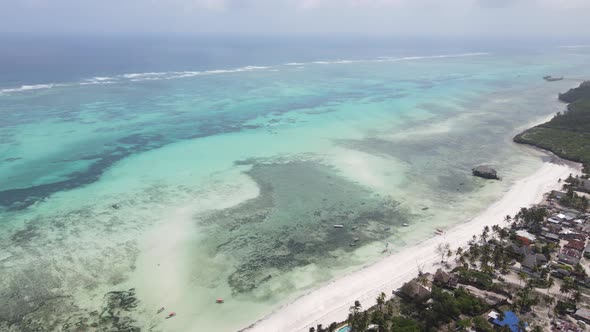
(550, 78)
(485, 172)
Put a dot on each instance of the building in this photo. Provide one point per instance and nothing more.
(576, 245)
(570, 256)
(490, 298)
(558, 194)
(584, 185)
(415, 291)
(446, 279)
(560, 273)
(565, 326)
(525, 237)
(533, 261)
(521, 250)
(583, 314)
(551, 237)
(574, 236)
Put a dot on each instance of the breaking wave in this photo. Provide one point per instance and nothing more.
(393, 59)
(30, 87)
(156, 76)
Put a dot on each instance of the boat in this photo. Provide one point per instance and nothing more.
(160, 310)
(440, 230)
(338, 226)
(170, 315)
(405, 225)
(355, 239)
(219, 301)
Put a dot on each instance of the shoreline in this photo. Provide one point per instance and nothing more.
(331, 302)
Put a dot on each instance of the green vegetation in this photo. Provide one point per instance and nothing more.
(574, 94)
(475, 278)
(572, 199)
(567, 134)
(445, 307)
(532, 218)
(483, 279)
(404, 325)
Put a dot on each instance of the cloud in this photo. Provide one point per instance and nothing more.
(393, 17)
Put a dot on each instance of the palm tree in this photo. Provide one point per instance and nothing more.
(496, 230)
(522, 277)
(576, 296)
(484, 234)
(565, 287)
(442, 249)
(550, 300)
(381, 301)
(458, 253)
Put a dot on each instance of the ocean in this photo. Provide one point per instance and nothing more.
(138, 175)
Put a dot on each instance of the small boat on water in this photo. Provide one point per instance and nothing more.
(160, 310)
(219, 301)
(338, 226)
(405, 225)
(170, 315)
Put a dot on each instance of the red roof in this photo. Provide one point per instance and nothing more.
(575, 244)
(571, 253)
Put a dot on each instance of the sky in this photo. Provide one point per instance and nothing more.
(497, 18)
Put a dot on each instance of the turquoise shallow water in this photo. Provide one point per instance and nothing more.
(189, 186)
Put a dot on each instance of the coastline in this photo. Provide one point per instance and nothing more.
(331, 302)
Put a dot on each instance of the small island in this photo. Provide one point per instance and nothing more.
(485, 172)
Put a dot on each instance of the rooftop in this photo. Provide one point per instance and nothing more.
(509, 320)
(524, 234)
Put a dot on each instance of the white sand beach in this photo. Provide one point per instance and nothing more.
(331, 302)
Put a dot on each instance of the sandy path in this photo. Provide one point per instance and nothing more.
(330, 302)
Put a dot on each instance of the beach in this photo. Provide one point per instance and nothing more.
(331, 302)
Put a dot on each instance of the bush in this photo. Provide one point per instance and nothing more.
(402, 324)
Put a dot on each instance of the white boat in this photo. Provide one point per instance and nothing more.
(338, 226)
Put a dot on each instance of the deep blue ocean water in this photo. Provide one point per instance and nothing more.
(29, 60)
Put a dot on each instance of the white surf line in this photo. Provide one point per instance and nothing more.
(169, 75)
(388, 59)
(331, 302)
